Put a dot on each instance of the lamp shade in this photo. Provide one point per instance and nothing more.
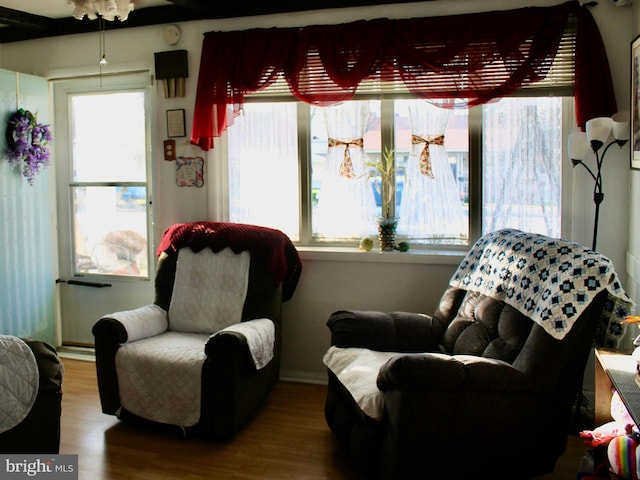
(598, 130)
(621, 129)
(578, 145)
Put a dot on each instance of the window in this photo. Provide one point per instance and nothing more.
(522, 165)
(109, 183)
(263, 168)
(303, 169)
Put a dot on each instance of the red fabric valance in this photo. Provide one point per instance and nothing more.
(477, 57)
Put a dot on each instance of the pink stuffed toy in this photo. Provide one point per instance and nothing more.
(621, 425)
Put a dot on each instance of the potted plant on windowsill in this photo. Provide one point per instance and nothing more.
(385, 169)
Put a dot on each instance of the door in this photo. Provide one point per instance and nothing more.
(104, 200)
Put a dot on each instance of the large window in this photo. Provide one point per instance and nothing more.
(305, 169)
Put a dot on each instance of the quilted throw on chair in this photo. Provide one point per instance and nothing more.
(550, 280)
(19, 381)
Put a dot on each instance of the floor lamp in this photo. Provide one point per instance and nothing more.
(596, 135)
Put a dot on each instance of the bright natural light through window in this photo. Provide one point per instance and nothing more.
(109, 189)
(263, 167)
(307, 170)
(522, 165)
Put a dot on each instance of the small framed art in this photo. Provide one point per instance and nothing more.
(175, 123)
(189, 171)
(635, 103)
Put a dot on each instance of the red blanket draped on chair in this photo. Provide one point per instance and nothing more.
(270, 244)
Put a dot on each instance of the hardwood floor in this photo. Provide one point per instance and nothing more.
(288, 439)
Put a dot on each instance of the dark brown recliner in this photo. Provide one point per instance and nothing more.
(491, 398)
(39, 430)
(232, 387)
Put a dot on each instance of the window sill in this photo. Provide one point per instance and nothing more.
(347, 254)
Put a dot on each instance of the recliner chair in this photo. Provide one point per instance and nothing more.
(479, 389)
(205, 355)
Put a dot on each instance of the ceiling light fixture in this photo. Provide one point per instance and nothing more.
(107, 9)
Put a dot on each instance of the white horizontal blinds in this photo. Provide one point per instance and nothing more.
(559, 80)
(561, 75)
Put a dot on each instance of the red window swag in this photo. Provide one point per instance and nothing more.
(477, 57)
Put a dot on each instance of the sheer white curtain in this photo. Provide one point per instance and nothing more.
(263, 167)
(431, 208)
(346, 204)
(522, 165)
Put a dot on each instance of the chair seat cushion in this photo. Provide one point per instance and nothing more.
(357, 369)
(19, 380)
(159, 378)
(209, 290)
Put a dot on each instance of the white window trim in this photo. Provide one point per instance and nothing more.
(219, 195)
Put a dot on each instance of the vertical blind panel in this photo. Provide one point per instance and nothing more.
(27, 273)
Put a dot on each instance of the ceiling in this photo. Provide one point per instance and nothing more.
(29, 19)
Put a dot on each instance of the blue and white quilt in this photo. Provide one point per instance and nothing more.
(550, 280)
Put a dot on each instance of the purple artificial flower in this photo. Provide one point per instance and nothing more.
(28, 142)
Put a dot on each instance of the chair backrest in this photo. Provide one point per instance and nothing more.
(475, 324)
(533, 301)
(274, 267)
(263, 299)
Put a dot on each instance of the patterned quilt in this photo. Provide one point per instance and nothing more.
(550, 280)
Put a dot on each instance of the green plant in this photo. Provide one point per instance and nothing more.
(385, 168)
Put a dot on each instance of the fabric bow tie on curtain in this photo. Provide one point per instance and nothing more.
(346, 167)
(425, 155)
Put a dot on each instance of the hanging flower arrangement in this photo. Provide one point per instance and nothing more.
(27, 141)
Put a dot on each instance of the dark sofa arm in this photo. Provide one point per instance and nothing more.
(228, 346)
(233, 389)
(39, 431)
(108, 335)
(386, 332)
(435, 372)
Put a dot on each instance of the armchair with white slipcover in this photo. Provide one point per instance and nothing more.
(205, 355)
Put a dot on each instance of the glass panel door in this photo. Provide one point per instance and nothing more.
(104, 201)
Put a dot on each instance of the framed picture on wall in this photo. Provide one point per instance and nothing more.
(635, 103)
(175, 123)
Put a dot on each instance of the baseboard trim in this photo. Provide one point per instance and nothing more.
(303, 377)
(88, 355)
(85, 354)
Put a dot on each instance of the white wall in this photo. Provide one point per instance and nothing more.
(330, 282)
(633, 254)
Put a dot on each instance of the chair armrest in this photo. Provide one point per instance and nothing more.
(230, 340)
(132, 325)
(109, 333)
(385, 332)
(256, 336)
(436, 372)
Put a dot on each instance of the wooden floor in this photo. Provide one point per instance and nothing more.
(289, 439)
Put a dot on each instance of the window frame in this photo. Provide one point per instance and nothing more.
(135, 81)
(475, 166)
